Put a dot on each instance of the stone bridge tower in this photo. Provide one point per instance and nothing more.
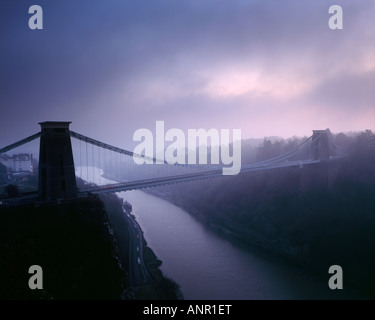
(319, 145)
(57, 179)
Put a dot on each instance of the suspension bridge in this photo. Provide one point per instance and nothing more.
(59, 165)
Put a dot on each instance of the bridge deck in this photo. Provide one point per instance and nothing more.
(147, 183)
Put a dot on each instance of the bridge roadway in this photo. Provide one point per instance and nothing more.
(32, 197)
(138, 272)
(147, 183)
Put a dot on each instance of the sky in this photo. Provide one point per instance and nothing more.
(267, 67)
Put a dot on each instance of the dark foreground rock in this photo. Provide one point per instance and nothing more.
(70, 241)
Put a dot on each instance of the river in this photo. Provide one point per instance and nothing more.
(209, 267)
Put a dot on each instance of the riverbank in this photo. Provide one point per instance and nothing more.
(161, 287)
(309, 229)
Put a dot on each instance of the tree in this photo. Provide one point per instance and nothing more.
(3, 174)
(12, 190)
(268, 150)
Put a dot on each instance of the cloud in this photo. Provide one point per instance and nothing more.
(346, 92)
(120, 65)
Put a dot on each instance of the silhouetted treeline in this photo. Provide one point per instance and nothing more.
(317, 216)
